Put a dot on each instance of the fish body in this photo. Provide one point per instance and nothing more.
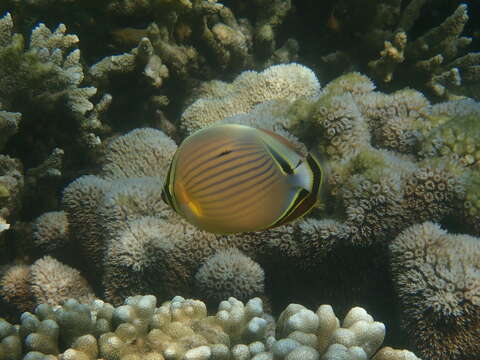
(233, 178)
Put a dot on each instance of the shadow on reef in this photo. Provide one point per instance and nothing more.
(348, 276)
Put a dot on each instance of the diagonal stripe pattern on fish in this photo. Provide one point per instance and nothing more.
(233, 178)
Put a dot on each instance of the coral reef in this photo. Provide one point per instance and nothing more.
(188, 32)
(381, 192)
(393, 160)
(379, 183)
(142, 45)
(231, 271)
(43, 102)
(218, 100)
(437, 278)
(128, 222)
(386, 170)
(46, 75)
(403, 43)
(118, 220)
(11, 188)
(140, 60)
(50, 232)
(429, 44)
(46, 281)
(181, 329)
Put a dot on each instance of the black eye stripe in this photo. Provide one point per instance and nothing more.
(167, 196)
(286, 168)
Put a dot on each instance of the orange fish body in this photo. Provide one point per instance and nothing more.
(234, 178)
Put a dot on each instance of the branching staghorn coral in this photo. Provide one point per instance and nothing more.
(416, 43)
(437, 278)
(135, 46)
(44, 103)
(45, 76)
(141, 57)
(186, 33)
(431, 53)
(266, 17)
(182, 329)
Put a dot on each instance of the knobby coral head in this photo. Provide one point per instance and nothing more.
(392, 163)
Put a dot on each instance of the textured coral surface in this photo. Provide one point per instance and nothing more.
(392, 161)
(182, 329)
(95, 96)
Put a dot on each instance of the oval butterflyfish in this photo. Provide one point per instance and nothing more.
(233, 178)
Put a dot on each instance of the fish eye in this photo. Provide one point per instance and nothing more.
(225, 152)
